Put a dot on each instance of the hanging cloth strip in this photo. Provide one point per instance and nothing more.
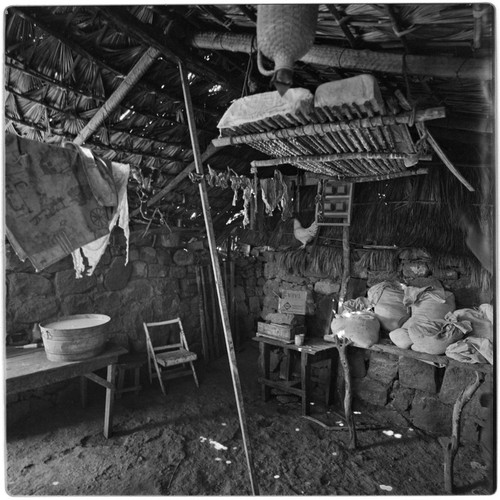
(98, 174)
(93, 251)
(50, 208)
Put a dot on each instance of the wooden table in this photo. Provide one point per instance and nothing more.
(312, 350)
(450, 444)
(28, 369)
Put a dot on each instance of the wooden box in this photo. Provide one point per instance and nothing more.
(280, 332)
(292, 302)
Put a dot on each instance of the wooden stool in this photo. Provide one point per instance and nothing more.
(129, 363)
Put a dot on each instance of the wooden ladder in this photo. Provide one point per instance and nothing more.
(334, 203)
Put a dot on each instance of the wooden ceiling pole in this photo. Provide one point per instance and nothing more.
(135, 74)
(211, 149)
(363, 60)
(218, 278)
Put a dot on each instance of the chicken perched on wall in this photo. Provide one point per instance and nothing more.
(304, 234)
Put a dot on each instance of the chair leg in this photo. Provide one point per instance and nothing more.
(150, 371)
(194, 375)
(158, 372)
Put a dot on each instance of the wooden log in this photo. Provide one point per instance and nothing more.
(220, 294)
(172, 184)
(383, 177)
(346, 264)
(450, 445)
(335, 157)
(442, 155)
(203, 326)
(135, 74)
(211, 348)
(323, 128)
(341, 345)
(364, 60)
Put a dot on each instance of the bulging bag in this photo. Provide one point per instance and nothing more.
(433, 337)
(482, 327)
(401, 338)
(387, 299)
(360, 327)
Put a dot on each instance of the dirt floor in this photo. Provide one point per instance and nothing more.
(191, 444)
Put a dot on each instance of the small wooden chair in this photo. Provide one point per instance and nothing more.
(166, 356)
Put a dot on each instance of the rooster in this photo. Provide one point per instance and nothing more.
(304, 234)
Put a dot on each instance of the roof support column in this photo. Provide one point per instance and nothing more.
(218, 277)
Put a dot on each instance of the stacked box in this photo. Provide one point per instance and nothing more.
(277, 331)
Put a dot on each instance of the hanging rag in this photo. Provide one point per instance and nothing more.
(94, 250)
(50, 209)
(99, 175)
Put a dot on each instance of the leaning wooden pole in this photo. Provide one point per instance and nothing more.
(218, 278)
(135, 74)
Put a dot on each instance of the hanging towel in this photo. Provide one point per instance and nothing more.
(99, 175)
(93, 251)
(50, 210)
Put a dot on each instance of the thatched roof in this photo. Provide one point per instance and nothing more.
(62, 63)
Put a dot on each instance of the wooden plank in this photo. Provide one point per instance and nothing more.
(34, 370)
(319, 129)
(218, 280)
(110, 400)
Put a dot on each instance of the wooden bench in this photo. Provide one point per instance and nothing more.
(450, 444)
(28, 369)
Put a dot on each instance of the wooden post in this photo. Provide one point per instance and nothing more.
(450, 445)
(342, 344)
(203, 326)
(220, 292)
(425, 131)
(135, 74)
(346, 267)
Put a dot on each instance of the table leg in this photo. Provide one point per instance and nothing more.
(450, 445)
(110, 397)
(305, 375)
(265, 361)
(341, 346)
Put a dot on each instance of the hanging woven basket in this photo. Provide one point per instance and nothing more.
(285, 33)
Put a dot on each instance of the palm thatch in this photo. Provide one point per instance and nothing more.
(62, 63)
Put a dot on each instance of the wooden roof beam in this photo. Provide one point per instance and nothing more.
(135, 74)
(152, 37)
(209, 152)
(32, 17)
(353, 42)
(73, 115)
(363, 60)
(69, 137)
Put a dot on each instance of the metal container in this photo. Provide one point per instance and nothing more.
(74, 338)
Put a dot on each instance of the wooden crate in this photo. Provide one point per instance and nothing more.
(281, 332)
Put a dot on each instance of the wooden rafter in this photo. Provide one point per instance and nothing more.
(210, 151)
(78, 49)
(341, 21)
(74, 116)
(363, 60)
(135, 74)
(151, 37)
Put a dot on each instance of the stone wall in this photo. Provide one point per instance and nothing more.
(155, 284)
(416, 392)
